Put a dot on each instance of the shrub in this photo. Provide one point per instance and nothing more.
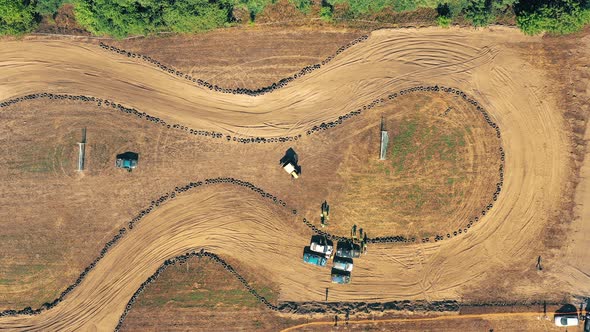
(444, 22)
(49, 7)
(255, 6)
(326, 14)
(444, 16)
(194, 16)
(479, 12)
(303, 5)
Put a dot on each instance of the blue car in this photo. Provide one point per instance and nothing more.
(314, 258)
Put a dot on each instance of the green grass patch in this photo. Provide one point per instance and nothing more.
(402, 144)
(422, 143)
(45, 157)
(6, 281)
(41, 160)
(204, 298)
(416, 196)
(202, 285)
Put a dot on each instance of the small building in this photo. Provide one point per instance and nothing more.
(127, 160)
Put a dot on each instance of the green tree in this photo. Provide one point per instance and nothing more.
(119, 18)
(49, 7)
(255, 6)
(326, 13)
(479, 12)
(134, 17)
(194, 16)
(303, 5)
(555, 16)
(16, 17)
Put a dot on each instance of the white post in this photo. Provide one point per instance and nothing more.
(81, 156)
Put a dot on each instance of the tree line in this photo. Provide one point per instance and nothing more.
(139, 17)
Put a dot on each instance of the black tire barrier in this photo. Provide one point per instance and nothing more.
(321, 127)
(141, 115)
(261, 91)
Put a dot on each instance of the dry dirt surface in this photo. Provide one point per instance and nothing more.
(469, 323)
(244, 57)
(36, 267)
(491, 65)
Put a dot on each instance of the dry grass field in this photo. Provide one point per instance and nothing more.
(441, 171)
(201, 295)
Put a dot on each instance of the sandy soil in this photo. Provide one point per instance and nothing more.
(483, 63)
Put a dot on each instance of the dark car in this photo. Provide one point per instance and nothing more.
(348, 250)
(340, 277)
(314, 258)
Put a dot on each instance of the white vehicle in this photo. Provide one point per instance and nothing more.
(291, 169)
(343, 264)
(567, 320)
(322, 245)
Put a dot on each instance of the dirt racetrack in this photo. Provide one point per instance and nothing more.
(230, 221)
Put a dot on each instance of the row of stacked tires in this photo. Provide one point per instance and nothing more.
(190, 185)
(142, 115)
(312, 307)
(182, 259)
(281, 83)
(385, 239)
